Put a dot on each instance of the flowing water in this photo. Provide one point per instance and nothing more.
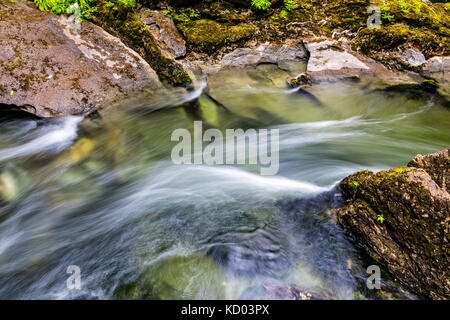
(105, 196)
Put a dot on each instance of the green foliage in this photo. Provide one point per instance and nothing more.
(182, 17)
(82, 8)
(262, 5)
(305, 5)
(116, 4)
(290, 5)
(380, 218)
(168, 11)
(87, 8)
(44, 4)
(385, 12)
(61, 6)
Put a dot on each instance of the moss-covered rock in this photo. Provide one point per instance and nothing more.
(401, 219)
(424, 25)
(373, 41)
(192, 277)
(207, 35)
(436, 165)
(126, 24)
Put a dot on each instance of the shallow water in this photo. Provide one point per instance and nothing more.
(105, 195)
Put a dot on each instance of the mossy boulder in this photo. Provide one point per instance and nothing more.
(425, 25)
(400, 218)
(207, 35)
(124, 23)
(436, 165)
(177, 277)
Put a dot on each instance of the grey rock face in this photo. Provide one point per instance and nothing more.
(438, 68)
(272, 53)
(413, 57)
(164, 31)
(53, 66)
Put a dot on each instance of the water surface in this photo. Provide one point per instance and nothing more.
(104, 194)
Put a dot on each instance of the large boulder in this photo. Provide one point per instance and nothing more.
(438, 68)
(332, 60)
(267, 53)
(400, 218)
(54, 66)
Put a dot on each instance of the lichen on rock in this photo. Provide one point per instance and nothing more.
(49, 69)
(411, 240)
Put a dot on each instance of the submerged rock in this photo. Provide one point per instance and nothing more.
(14, 182)
(280, 292)
(8, 187)
(177, 277)
(303, 79)
(79, 152)
(52, 66)
(401, 219)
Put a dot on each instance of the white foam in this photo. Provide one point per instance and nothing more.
(56, 138)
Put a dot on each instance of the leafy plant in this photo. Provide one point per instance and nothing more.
(194, 15)
(86, 7)
(168, 11)
(385, 12)
(380, 218)
(262, 5)
(183, 17)
(305, 5)
(44, 4)
(290, 5)
(116, 4)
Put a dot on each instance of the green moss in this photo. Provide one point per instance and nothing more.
(430, 82)
(400, 170)
(390, 37)
(207, 35)
(353, 184)
(125, 24)
(425, 26)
